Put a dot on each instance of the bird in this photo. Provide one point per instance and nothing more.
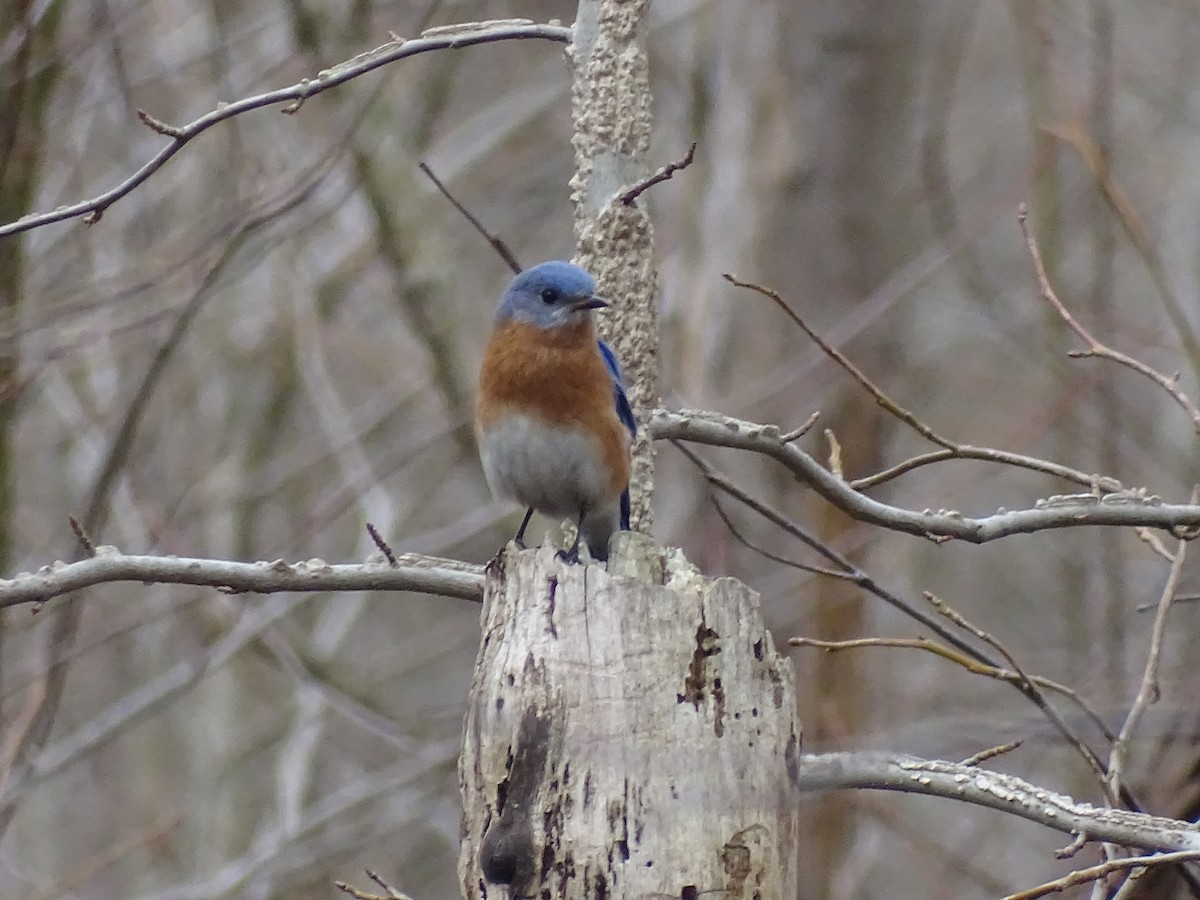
(552, 419)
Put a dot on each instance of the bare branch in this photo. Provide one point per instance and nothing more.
(388, 553)
(663, 174)
(963, 653)
(1108, 867)
(951, 449)
(389, 892)
(427, 575)
(796, 433)
(842, 360)
(497, 243)
(1027, 684)
(1148, 691)
(1124, 508)
(1032, 690)
(995, 790)
(989, 454)
(442, 38)
(85, 539)
(1169, 383)
(991, 753)
(955, 656)
(1084, 141)
(848, 570)
(64, 626)
(154, 125)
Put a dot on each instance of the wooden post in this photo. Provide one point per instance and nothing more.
(631, 733)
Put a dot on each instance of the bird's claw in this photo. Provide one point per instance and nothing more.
(570, 557)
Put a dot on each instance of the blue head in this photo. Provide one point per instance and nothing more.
(550, 295)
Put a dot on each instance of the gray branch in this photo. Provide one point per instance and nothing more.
(1124, 508)
(447, 37)
(426, 575)
(451, 578)
(995, 790)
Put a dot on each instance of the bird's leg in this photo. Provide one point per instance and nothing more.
(519, 540)
(572, 555)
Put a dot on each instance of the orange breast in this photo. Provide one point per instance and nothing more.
(559, 376)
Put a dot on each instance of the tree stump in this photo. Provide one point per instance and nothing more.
(631, 733)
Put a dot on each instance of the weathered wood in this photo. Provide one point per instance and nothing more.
(631, 733)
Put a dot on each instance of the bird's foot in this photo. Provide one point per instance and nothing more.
(571, 555)
(519, 539)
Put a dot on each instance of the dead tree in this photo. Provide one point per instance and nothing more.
(630, 733)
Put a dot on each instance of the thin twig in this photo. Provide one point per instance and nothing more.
(154, 125)
(1009, 676)
(1149, 690)
(389, 892)
(988, 454)
(1154, 542)
(383, 546)
(497, 243)
(85, 540)
(445, 38)
(1122, 206)
(1026, 684)
(796, 433)
(663, 174)
(1104, 869)
(1169, 383)
(951, 449)
(868, 584)
(356, 893)
(1033, 691)
(991, 753)
(65, 624)
(1081, 840)
(774, 557)
(854, 371)
(1182, 598)
(852, 572)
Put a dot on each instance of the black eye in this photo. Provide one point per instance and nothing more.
(549, 295)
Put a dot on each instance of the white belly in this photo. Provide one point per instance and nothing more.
(557, 471)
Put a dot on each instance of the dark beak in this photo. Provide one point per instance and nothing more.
(588, 303)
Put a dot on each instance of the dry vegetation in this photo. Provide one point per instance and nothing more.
(273, 341)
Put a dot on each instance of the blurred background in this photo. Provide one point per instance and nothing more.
(275, 340)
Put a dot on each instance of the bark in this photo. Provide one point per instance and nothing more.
(610, 108)
(630, 733)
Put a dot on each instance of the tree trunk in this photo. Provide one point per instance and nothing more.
(629, 734)
(610, 110)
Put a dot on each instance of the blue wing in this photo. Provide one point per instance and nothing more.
(624, 413)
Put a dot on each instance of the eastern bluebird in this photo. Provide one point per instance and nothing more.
(553, 422)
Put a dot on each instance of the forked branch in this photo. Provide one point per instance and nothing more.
(443, 38)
